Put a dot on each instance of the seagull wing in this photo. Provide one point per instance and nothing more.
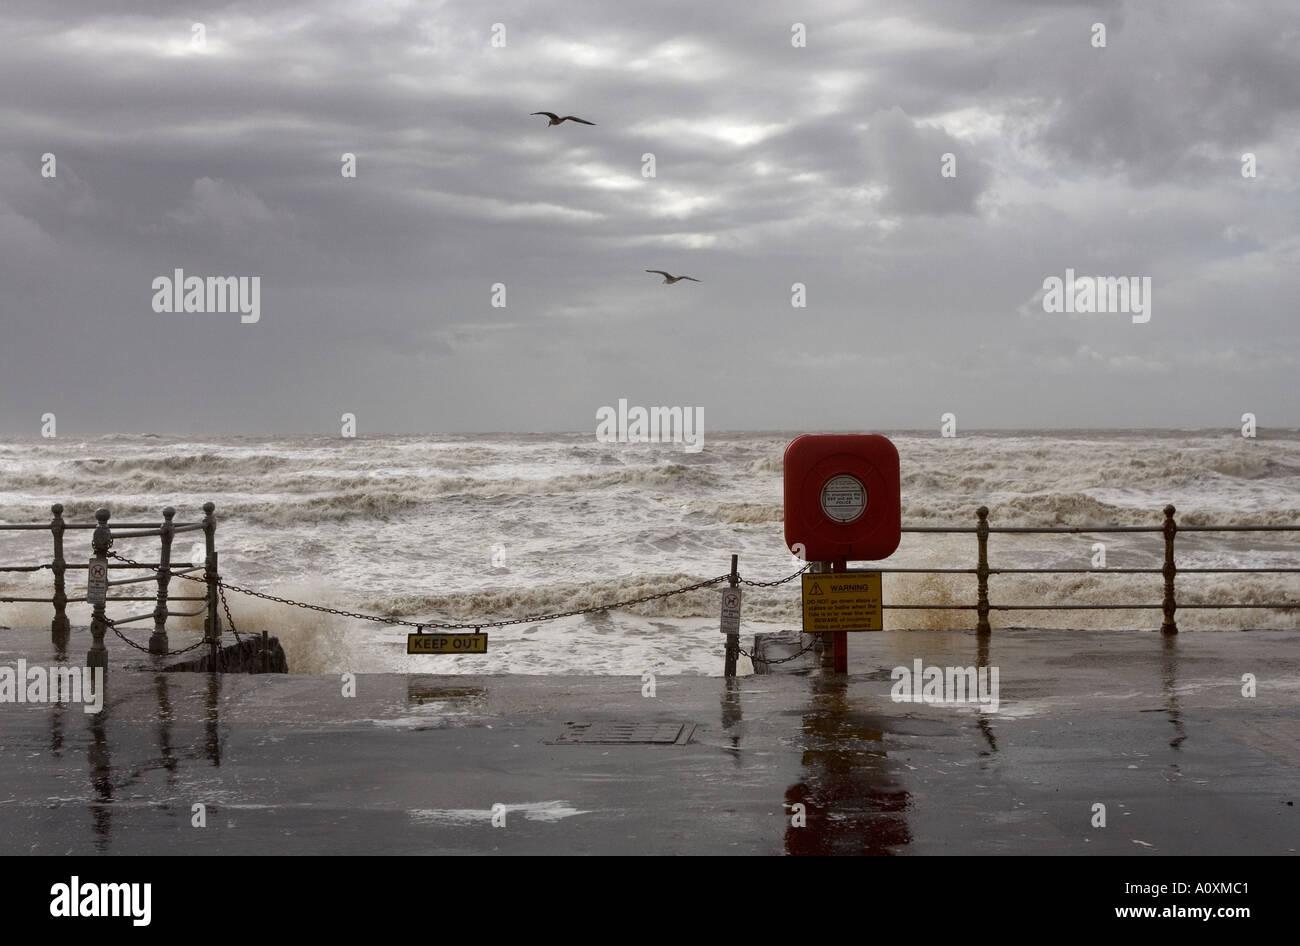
(691, 278)
(574, 118)
(661, 273)
(550, 115)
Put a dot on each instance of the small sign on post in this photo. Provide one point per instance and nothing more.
(731, 611)
(97, 581)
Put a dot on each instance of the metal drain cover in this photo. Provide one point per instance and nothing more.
(624, 734)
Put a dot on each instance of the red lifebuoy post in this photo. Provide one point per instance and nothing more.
(843, 503)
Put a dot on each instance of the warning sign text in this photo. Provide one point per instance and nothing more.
(842, 601)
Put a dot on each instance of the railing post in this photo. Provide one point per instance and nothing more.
(100, 542)
(59, 627)
(733, 640)
(840, 639)
(1169, 605)
(158, 639)
(827, 637)
(212, 626)
(982, 571)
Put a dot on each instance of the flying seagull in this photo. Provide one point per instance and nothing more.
(669, 278)
(556, 119)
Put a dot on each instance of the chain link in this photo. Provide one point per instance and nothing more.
(226, 607)
(779, 660)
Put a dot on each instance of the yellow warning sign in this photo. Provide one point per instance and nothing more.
(446, 643)
(842, 601)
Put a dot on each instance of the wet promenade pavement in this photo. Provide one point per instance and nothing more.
(1157, 730)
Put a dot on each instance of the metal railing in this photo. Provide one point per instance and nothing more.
(164, 569)
(1169, 570)
(160, 571)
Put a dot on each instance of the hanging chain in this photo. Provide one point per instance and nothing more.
(421, 625)
(167, 653)
(478, 625)
(779, 581)
(146, 650)
(221, 590)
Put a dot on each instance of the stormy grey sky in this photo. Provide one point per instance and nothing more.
(775, 165)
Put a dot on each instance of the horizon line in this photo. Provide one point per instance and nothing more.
(720, 431)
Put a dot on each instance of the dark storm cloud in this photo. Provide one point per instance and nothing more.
(775, 165)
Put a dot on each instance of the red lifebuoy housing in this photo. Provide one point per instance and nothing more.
(842, 497)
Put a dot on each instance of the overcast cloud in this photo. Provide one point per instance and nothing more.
(775, 165)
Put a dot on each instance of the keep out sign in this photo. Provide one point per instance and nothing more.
(842, 497)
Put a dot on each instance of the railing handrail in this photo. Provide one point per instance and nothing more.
(178, 527)
(164, 570)
(1087, 529)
